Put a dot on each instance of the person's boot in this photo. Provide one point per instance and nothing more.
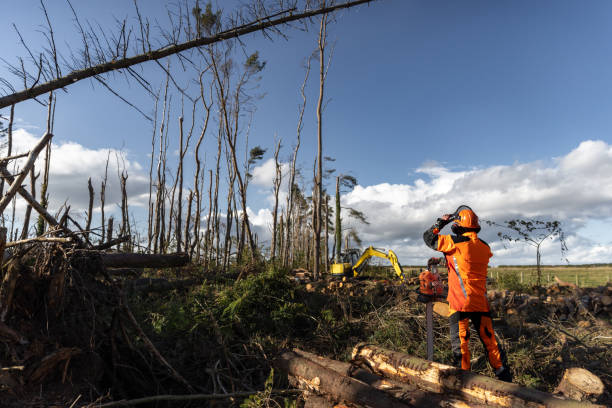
(504, 374)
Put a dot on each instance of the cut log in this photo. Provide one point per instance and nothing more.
(449, 380)
(315, 377)
(580, 384)
(408, 393)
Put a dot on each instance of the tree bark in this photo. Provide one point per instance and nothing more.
(449, 380)
(277, 183)
(324, 380)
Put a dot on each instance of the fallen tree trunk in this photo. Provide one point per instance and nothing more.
(405, 392)
(449, 380)
(125, 260)
(316, 377)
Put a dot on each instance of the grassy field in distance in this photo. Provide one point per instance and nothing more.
(582, 275)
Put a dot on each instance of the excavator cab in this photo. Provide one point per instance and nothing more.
(352, 263)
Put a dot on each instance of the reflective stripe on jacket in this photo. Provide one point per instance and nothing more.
(467, 258)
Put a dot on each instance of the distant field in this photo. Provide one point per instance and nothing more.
(582, 275)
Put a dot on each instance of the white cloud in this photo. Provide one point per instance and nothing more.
(71, 166)
(574, 189)
(263, 175)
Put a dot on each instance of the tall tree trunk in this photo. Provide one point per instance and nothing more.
(338, 233)
(103, 199)
(150, 209)
(277, 183)
(208, 234)
(326, 236)
(44, 196)
(319, 186)
(188, 223)
(125, 216)
(179, 209)
(90, 189)
(291, 183)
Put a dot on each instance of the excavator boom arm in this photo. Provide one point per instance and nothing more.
(370, 252)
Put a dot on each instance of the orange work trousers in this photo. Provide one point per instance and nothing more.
(460, 339)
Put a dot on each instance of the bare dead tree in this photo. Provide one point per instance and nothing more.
(278, 175)
(292, 171)
(317, 195)
(103, 198)
(230, 114)
(44, 196)
(89, 208)
(125, 216)
(208, 234)
(188, 223)
(196, 182)
(150, 207)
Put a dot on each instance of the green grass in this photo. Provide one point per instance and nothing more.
(583, 275)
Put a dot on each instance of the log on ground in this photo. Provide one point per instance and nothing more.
(128, 260)
(405, 392)
(325, 381)
(449, 380)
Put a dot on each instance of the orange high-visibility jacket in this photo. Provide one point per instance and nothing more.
(467, 258)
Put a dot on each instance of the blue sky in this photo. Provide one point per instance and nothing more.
(466, 87)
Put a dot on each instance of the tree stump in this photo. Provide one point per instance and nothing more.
(580, 384)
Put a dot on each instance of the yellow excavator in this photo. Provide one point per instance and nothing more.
(351, 263)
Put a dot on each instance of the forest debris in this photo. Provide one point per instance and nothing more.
(152, 349)
(314, 376)
(181, 398)
(449, 380)
(147, 285)
(10, 334)
(62, 240)
(7, 288)
(408, 393)
(580, 384)
(48, 363)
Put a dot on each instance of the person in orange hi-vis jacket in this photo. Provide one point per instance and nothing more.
(467, 258)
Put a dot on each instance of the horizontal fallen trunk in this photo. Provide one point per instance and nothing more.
(405, 392)
(316, 377)
(128, 260)
(449, 380)
(39, 239)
